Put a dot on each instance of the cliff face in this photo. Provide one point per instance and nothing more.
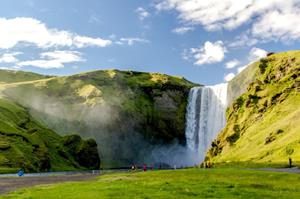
(238, 85)
(263, 124)
(127, 113)
(26, 143)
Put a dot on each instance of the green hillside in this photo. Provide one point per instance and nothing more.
(25, 143)
(263, 124)
(128, 113)
(11, 76)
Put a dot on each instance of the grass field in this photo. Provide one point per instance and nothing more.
(190, 183)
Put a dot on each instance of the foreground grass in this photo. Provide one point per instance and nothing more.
(191, 183)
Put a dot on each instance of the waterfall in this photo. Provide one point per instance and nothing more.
(205, 117)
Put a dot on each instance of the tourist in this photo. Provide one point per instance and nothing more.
(290, 162)
(20, 173)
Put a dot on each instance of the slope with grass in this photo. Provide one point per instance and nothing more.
(11, 76)
(263, 124)
(128, 113)
(190, 183)
(26, 143)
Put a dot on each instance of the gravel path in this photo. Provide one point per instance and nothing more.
(8, 184)
(11, 182)
(288, 170)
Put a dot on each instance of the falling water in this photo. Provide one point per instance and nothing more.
(205, 117)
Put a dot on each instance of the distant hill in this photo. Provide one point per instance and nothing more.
(263, 124)
(11, 76)
(128, 113)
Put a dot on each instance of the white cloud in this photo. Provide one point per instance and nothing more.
(46, 64)
(273, 19)
(9, 57)
(82, 41)
(256, 54)
(182, 30)
(208, 53)
(94, 19)
(245, 39)
(32, 31)
(142, 13)
(131, 40)
(276, 25)
(229, 77)
(6, 68)
(240, 69)
(55, 59)
(232, 64)
(63, 56)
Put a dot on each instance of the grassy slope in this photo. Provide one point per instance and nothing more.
(120, 109)
(263, 124)
(26, 143)
(191, 183)
(10, 76)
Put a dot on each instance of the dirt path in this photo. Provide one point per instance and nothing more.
(288, 170)
(8, 184)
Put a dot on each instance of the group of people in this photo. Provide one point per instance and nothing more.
(144, 167)
(206, 165)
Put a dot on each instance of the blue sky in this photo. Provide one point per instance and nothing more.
(205, 42)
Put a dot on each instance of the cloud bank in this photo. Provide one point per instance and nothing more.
(276, 19)
(33, 32)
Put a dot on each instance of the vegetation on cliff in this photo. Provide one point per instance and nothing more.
(127, 112)
(26, 143)
(263, 124)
